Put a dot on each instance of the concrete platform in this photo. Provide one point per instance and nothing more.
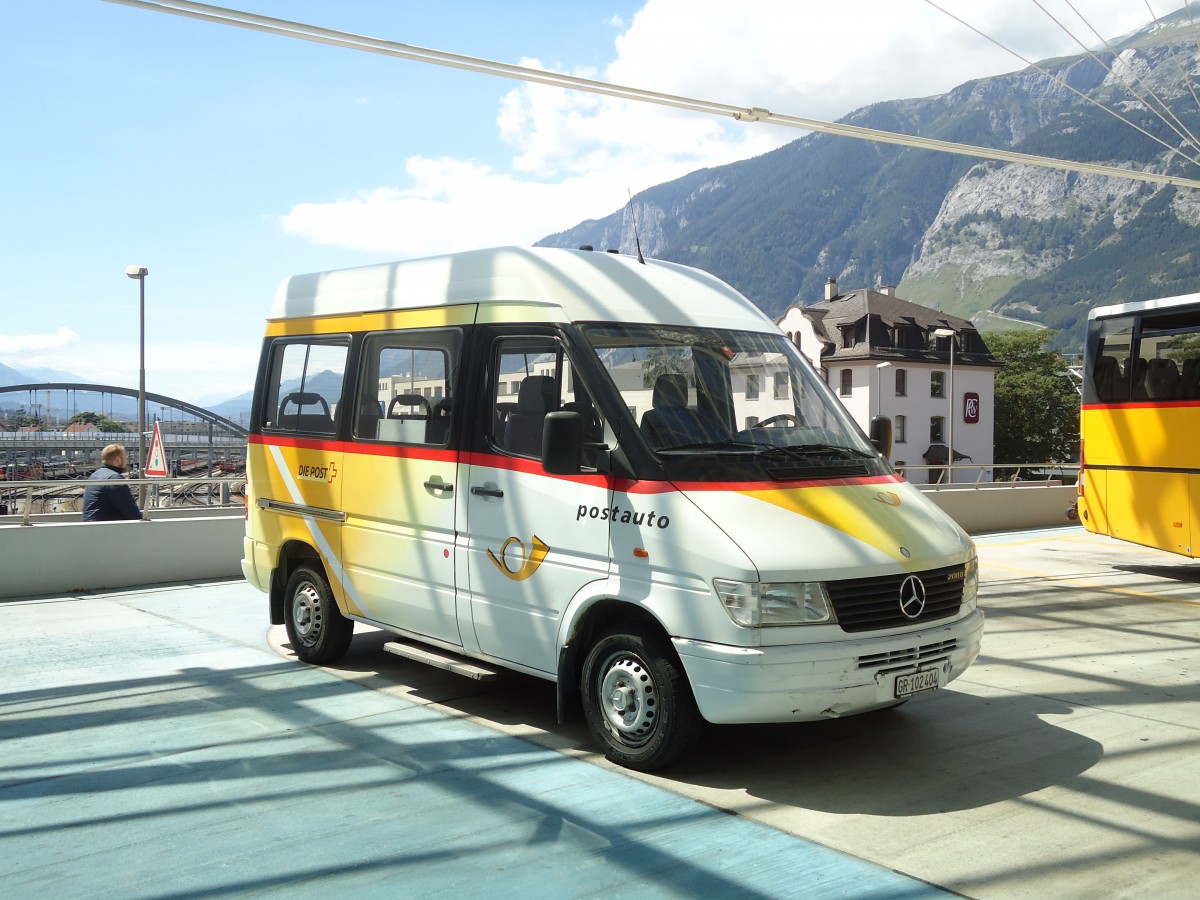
(163, 743)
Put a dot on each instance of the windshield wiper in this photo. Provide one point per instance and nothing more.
(728, 444)
(819, 451)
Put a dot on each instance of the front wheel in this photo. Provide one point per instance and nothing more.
(317, 629)
(637, 700)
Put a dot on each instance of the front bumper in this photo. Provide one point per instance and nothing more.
(805, 682)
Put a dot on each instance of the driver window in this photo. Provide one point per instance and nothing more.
(532, 376)
(405, 393)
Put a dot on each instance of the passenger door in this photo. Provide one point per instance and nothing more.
(401, 476)
(298, 460)
(532, 540)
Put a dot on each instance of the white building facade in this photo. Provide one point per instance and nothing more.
(931, 374)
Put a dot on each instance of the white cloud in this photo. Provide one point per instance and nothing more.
(30, 347)
(575, 155)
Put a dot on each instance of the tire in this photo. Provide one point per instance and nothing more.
(317, 629)
(637, 700)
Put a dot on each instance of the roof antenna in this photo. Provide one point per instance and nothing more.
(636, 238)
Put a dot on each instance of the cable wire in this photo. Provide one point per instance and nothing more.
(1173, 150)
(286, 28)
(1185, 133)
(1182, 74)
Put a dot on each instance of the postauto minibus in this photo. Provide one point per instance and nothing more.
(616, 475)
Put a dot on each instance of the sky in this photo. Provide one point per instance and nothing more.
(225, 160)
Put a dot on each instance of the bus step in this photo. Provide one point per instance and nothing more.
(442, 659)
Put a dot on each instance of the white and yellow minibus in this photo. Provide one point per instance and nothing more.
(616, 475)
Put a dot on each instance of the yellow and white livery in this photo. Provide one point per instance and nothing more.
(616, 475)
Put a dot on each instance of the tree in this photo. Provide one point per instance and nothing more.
(102, 422)
(1037, 406)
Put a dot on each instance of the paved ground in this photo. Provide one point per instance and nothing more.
(162, 743)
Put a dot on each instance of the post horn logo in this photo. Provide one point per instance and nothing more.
(530, 559)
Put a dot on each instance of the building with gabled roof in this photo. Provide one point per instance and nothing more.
(931, 373)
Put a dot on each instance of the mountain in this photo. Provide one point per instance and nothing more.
(29, 375)
(1005, 245)
(35, 375)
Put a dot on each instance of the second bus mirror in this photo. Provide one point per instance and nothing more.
(562, 443)
(881, 435)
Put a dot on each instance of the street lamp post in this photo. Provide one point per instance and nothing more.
(879, 367)
(949, 333)
(140, 273)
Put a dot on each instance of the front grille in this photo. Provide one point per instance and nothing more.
(873, 604)
(909, 656)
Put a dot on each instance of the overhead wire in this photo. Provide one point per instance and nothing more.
(317, 34)
(1183, 74)
(1074, 90)
(1182, 130)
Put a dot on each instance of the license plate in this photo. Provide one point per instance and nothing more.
(916, 682)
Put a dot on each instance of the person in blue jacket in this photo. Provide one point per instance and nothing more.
(107, 498)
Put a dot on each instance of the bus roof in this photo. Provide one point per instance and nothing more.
(585, 285)
(1122, 309)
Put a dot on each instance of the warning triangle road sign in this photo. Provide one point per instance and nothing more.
(156, 465)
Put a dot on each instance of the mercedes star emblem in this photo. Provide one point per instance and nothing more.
(912, 597)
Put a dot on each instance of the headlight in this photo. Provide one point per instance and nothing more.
(971, 583)
(758, 604)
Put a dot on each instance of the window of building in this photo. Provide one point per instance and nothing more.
(847, 386)
(752, 387)
(781, 385)
(937, 384)
(901, 382)
(937, 430)
(901, 429)
(751, 421)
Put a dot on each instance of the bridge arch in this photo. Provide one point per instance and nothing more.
(161, 399)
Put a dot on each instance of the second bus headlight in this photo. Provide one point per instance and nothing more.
(762, 604)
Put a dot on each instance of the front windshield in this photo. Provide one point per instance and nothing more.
(715, 403)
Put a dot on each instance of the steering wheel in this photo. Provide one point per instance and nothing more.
(784, 418)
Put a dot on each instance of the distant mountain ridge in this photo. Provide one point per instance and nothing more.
(1001, 244)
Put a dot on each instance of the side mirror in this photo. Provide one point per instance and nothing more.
(881, 435)
(562, 443)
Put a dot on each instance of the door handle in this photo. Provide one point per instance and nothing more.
(487, 492)
(443, 486)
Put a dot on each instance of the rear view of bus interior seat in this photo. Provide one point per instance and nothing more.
(537, 396)
(297, 419)
(1162, 379)
(1106, 376)
(670, 422)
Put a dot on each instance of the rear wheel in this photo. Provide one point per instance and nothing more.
(637, 700)
(318, 631)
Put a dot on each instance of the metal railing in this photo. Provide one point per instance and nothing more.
(994, 475)
(26, 498)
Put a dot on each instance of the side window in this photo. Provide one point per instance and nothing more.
(530, 377)
(901, 429)
(937, 430)
(847, 385)
(405, 391)
(937, 384)
(305, 390)
(901, 382)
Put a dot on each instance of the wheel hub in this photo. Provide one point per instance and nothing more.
(630, 706)
(306, 613)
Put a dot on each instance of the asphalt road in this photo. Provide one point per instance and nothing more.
(164, 742)
(1063, 763)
